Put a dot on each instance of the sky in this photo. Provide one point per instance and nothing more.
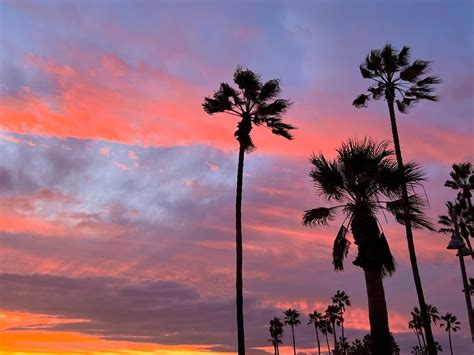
(117, 190)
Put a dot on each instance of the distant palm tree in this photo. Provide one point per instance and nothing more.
(361, 176)
(417, 325)
(317, 319)
(462, 178)
(433, 313)
(451, 324)
(404, 83)
(276, 333)
(292, 318)
(326, 329)
(342, 300)
(256, 104)
(334, 318)
(460, 217)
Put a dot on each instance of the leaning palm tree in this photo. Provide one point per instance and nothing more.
(363, 174)
(292, 318)
(341, 299)
(333, 315)
(317, 319)
(276, 333)
(451, 325)
(404, 83)
(256, 104)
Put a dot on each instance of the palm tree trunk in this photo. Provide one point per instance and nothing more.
(238, 246)
(450, 344)
(335, 336)
(342, 329)
(317, 338)
(470, 312)
(327, 342)
(418, 337)
(294, 344)
(378, 316)
(409, 232)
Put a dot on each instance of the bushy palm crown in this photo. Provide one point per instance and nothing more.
(317, 319)
(462, 178)
(451, 322)
(276, 331)
(361, 176)
(333, 314)
(341, 299)
(292, 317)
(396, 78)
(257, 103)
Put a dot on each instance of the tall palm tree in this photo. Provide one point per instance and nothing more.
(334, 318)
(317, 319)
(256, 104)
(326, 329)
(361, 176)
(292, 318)
(342, 300)
(451, 325)
(276, 333)
(404, 83)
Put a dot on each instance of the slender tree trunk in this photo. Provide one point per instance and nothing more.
(342, 330)
(450, 344)
(409, 232)
(238, 246)
(378, 316)
(467, 295)
(327, 342)
(317, 338)
(294, 344)
(335, 336)
(423, 338)
(418, 337)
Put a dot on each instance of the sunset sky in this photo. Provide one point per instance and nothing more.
(117, 190)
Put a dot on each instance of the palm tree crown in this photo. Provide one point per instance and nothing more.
(276, 333)
(451, 322)
(255, 102)
(363, 174)
(396, 78)
(292, 317)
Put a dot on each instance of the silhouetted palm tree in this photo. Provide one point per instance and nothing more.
(457, 215)
(276, 333)
(433, 313)
(292, 318)
(342, 300)
(317, 319)
(462, 178)
(256, 104)
(334, 318)
(326, 329)
(404, 83)
(451, 323)
(363, 173)
(417, 325)
(417, 322)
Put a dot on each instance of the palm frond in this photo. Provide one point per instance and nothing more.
(403, 57)
(327, 177)
(340, 248)
(248, 82)
(280, 128)
(386, 257)
(318, 216)
(415, 213)
(361, 101)
(412, 72)
(269, 90)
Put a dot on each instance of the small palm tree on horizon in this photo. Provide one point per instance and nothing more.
(276, 333)
(341, 299)
(333, 315)
(360, 178)
(401, 83)
(451, 324)
(292, 318)
(256, 104)
(317, 319)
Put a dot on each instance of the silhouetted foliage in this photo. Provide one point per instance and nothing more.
(292, 318)
(451, 324)
(256, 104)
(402, 83)
(276, 333)
(318, 321)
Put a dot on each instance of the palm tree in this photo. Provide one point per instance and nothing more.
(462, 178)
(256, 104)
(334, 318)
(403, 83)
(451, 324)
(276, 333)
(416, 324)
(292, 318)
(326, 329)
(361, 176)
(341, 299)
(317, 319)
(433, 313)
(460, 217)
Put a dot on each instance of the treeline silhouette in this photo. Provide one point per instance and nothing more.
(365, 178)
